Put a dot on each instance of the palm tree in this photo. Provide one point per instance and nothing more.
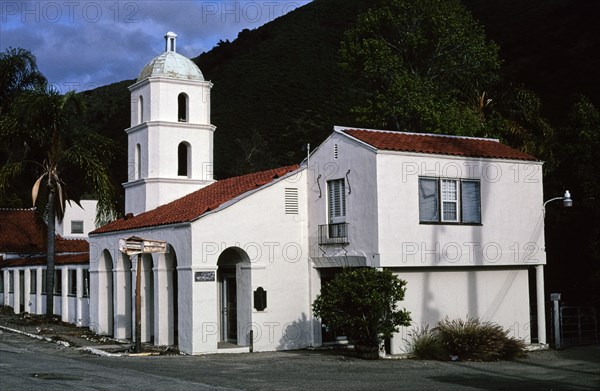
(42, 136)
(18, 73)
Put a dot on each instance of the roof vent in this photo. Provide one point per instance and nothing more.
(170, 39)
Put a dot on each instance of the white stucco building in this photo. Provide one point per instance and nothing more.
(78, 220)
(459, 218)
(23, 236)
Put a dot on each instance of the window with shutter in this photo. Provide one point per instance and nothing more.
(449, 201)
(337, 201)
(471, 202)
(428, 200)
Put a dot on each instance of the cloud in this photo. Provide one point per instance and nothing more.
(86, 44)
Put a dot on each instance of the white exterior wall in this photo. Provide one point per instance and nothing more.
(361, 201)
(485, 266)
(159, 134)
(160, 94)
(121, 307)
(512, 226)
(499, 295)
(72, 308)
(85, 213)
(276, 245)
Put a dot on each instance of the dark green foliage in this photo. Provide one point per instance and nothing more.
(363, 304)
(18, 73)
(573, 234)
(426, 63)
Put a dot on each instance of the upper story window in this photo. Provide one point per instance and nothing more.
(336, 201)
(182, 107)
(76, 226)
(336, 231)
(449, 201)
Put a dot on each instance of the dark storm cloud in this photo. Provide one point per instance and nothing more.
(85, 44)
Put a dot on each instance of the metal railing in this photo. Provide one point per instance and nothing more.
(579, 325)
(333, 233)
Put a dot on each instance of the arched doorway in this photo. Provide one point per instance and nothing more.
(172, 295)
(105, 294)
(123, 298)
(147, 289)
(234, 279)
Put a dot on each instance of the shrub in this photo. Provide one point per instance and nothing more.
(425, 345)
(472, 339)
(362, 303)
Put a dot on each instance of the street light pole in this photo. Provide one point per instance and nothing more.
(540, 296)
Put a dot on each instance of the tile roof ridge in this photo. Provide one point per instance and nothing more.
(344, 129)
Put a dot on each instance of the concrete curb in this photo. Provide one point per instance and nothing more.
(99, 352)
(92, 350)
(29, 334)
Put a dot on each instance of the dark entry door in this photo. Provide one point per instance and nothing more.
(229, 311)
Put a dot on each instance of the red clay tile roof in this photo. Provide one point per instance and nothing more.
(197, 203)
(438, 144)
(60, 259)
(22, 231)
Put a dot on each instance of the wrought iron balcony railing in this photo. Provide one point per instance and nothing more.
(333, 233)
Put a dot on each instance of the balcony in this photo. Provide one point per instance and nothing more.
(333, 233)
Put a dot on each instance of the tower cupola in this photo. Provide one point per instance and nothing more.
(170, 141)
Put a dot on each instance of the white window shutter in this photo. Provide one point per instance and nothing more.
(471, 202)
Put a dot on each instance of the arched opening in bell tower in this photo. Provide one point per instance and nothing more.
(182, 107)
(184, 159)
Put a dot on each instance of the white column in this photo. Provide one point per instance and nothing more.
(27, 289)
(541, 309)
(64, 296)
(79, 296)
(122, 305)
(134, 266)
(6, 285)
(16, 291)
(38, 290)
(163, 311)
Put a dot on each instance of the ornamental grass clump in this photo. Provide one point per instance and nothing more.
(425, 345)
(472, 339)
(469, 339)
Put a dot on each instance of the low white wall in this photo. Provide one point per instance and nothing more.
(499, 295)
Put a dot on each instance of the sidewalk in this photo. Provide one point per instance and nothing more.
(69, 335)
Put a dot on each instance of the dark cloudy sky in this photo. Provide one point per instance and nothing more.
(85, 44)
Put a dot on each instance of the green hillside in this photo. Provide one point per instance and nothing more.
(280, 86)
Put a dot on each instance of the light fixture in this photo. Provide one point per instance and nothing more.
(567, 201)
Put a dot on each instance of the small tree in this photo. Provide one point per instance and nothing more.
(362, 303)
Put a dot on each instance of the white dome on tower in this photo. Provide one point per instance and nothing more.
(171, 64)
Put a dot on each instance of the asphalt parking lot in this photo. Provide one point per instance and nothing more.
(31, 364)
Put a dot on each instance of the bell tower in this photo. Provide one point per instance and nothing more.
(170, 141)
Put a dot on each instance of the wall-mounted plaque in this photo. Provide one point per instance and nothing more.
(204, 276)
(260, 299)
